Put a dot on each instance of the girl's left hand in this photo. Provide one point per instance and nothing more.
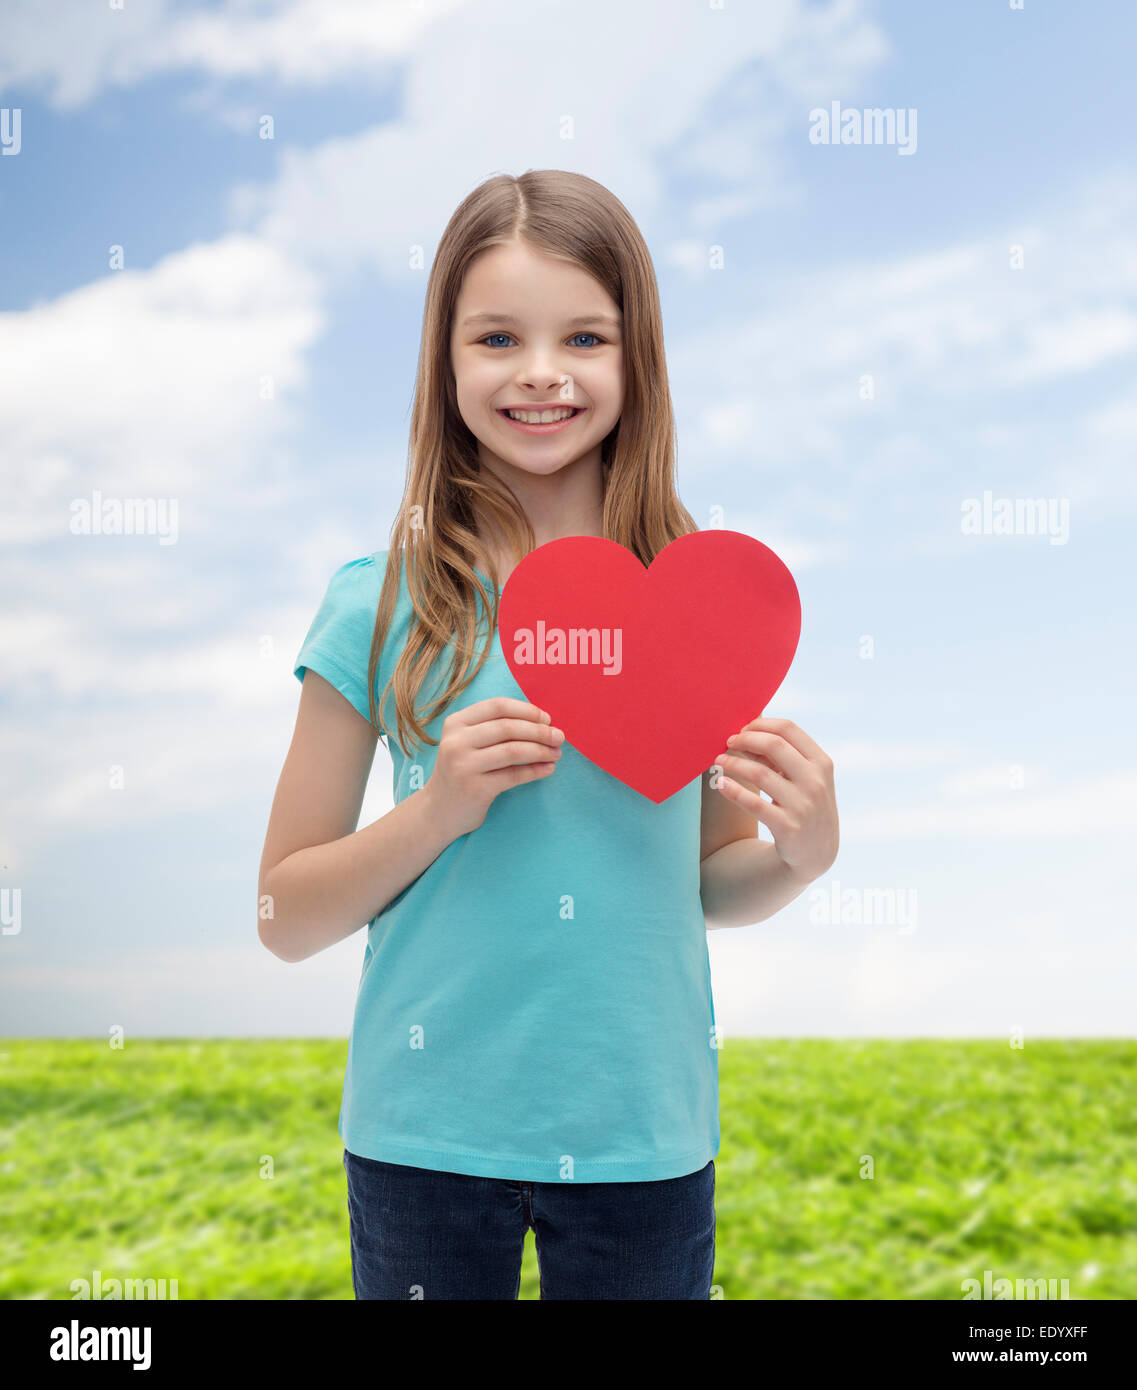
(776, 757)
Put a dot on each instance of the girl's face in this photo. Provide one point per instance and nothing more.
(535, 335)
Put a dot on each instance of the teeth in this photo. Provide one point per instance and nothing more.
(540, 417)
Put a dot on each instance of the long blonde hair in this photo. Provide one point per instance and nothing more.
(435, 532)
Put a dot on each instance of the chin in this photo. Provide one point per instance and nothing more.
(539, 468)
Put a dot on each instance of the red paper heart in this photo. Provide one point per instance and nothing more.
(704, 637)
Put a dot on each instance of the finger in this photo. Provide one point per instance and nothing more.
(512, 776)
(500, 707)
(754, 777)
(785, 757)
(522, 751)
(753, 757)
(772, 817)
(498, 730)
(794, 736)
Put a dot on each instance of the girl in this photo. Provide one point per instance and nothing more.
(534, 1040)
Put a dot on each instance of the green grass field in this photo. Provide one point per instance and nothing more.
(147, 1162)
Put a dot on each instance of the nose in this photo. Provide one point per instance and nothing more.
(540, 370)
(542, 378)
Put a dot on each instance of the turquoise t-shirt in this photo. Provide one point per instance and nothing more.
(536, 1005)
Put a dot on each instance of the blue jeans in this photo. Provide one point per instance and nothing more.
(417, 1233)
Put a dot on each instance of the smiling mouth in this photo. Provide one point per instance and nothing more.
(546, 415)
(546, 421)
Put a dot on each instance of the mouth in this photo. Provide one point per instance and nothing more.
(547, 421)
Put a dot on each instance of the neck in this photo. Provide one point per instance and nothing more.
(569, 502)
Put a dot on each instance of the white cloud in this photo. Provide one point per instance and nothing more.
(1095, 454)
(779, 384)
(796, 552)
(147, 381)
(234, 991)
(88, 48)
(992, 781)
(862, 755)
(788, 979)
(303, 41)
(624, 116)
(1116, 422)
(1072, 342)
(1094, 806)
(220, 723)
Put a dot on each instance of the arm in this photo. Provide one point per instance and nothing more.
(322, 878)
(741, 878)
(744, 879)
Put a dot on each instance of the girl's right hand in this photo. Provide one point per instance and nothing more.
(485, 748)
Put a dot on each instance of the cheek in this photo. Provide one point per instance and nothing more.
(611, 401)
(614, 385)
(604, 388)
(474, 381)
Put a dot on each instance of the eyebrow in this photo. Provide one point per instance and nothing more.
(490, 316)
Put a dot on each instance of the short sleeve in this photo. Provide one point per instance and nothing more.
(338, 644)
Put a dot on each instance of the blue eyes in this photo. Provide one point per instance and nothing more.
(595, 336)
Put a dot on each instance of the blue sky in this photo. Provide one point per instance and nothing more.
(982, 757)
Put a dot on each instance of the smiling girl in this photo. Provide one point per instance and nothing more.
(534, 1039)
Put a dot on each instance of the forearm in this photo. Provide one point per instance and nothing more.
(744, 882)
(321, 894)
